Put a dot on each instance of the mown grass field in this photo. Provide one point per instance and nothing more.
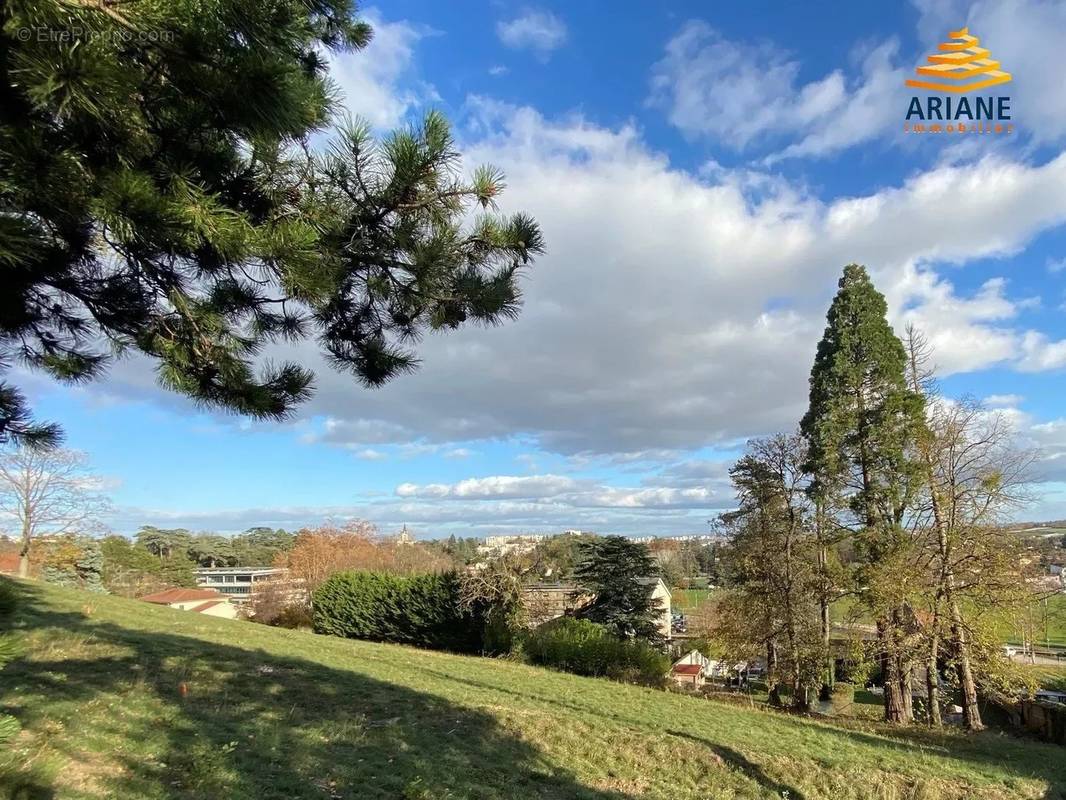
(268, 713)
(1048, 621)
(688, 600)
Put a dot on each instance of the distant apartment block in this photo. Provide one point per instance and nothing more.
(546, 601)
(504, 545)
(238, 583)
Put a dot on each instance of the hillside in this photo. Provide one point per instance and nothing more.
(270, 713)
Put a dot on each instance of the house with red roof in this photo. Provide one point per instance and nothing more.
(692, 669)
(208, 602)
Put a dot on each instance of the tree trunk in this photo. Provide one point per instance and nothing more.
(823, 603)
(906, 690)
(932, 679)
(24, 553)
(970, 711)
(772, 683)
(894, 711)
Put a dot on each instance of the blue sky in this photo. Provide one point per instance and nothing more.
(702, 172)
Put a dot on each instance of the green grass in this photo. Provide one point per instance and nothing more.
(688, 599)
(1053, 632)
(1009, 629)
(1050, 677)
(277, 714)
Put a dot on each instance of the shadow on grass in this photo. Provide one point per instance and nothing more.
(261, 726)
(738, 761)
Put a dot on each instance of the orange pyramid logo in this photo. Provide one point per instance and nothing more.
(962, 65)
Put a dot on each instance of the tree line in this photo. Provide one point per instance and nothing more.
(890, 499)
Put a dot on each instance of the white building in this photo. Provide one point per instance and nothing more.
(661, 593)
(505, 545)
(237, 583)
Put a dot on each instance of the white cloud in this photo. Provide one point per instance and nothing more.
(1004, 400)
(690, 318)
(1040, 353)
(567, 492)
(377, 82)
(459, 452)
(498, 70)
(495, 487)
(536, 30)
(742, 92)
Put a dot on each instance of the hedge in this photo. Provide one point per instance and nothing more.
(420, 610)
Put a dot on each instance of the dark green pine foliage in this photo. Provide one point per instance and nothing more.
(862, 418)
(621, 574)
(423, 610)
(157, 195)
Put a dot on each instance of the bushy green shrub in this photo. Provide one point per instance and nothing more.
(420, 610)
(585, 648)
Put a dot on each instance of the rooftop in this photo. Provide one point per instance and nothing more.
(207, 605)
(687, 669)
(168, 596)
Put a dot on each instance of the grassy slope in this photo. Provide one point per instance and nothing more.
(272, 713)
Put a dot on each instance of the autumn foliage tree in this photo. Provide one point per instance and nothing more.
(318, 553)
(771, 609)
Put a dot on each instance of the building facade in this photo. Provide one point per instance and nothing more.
(238, 583)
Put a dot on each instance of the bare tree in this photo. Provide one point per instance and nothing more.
(48, 492)
(974, 476)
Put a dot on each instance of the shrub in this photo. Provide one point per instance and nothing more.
(585, 648)
(420, 610)
(295, 616)
(842, 696)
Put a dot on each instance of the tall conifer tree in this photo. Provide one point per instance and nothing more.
(860, 427)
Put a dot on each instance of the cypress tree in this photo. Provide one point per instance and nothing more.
(860, 428)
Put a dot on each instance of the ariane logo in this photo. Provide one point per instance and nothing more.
(961, 66)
